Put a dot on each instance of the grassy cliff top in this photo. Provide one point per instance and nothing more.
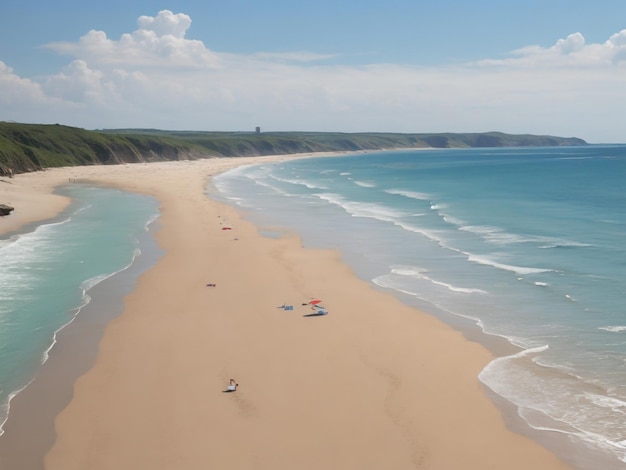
(32, 147)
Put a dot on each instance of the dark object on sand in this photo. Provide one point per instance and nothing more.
(5, 210)
(232, 386)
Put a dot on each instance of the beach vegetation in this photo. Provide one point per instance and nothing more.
(34, 147)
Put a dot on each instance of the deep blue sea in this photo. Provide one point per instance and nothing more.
(47, 273)
(528, 244)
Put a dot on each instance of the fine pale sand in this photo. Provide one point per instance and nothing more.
(372, 385)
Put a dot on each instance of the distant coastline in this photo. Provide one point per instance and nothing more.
(33, 147)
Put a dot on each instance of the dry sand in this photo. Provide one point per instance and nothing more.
(373, 385)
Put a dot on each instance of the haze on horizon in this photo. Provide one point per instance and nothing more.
(540, 67)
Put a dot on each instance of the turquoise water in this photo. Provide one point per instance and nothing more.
(528, 244)
(46, 275)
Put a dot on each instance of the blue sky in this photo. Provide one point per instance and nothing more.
(536, 66)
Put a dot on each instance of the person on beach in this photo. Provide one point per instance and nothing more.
(232, 386)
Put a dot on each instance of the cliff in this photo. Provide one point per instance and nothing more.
(32, 147)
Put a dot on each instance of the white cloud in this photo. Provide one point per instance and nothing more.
(14, 89)
(156, 77)
(166, 23)
(572, 43)
(77, 83)
(572, 51)
(617, 39)
(158, 42)
(25, 100)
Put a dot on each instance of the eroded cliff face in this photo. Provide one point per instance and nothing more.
(33, 147)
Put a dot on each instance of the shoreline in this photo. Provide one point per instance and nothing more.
(74, 352)
(381, 360)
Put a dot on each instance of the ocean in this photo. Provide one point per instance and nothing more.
(525, 244)
(49, 271)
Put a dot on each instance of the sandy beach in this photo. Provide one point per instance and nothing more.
(372, 385)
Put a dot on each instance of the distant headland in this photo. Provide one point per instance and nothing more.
(33, 147)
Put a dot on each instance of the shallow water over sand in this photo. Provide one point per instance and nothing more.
(47, 273)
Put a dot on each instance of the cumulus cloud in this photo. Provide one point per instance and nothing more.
(21, 89)
(78, 83)
(159, 41)
(572, 51)
(25, 100)
(166, 23)
(617, 40)
(157, 77)
(572, 43)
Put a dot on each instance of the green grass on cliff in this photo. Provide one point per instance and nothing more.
(32, 147)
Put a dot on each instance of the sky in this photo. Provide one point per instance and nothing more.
(548, 67)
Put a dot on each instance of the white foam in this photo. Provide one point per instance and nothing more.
(232, 172)
(507, 267)
(408, 271)
(495, 235)
(381, 282)
(363, 209)
(514, 383)
(90, 283)
(465, 290)
(525, 353)
(613, 329)
(410, 194)
(419, 273)
(545, 402)
(298, 182)
(154, 218)
(430, 234)
(452, 220)
(265, 184)
(549, 243)
(11, 396)
(364, 184)
(614, 404)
